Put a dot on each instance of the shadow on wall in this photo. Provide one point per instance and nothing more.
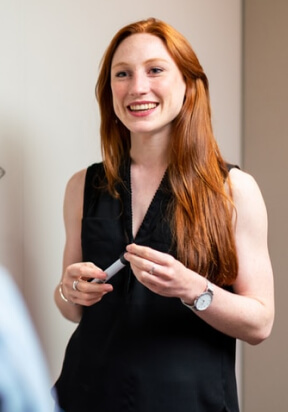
(2, 172)
(11, 187)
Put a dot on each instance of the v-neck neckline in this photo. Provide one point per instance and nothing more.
(152, 212)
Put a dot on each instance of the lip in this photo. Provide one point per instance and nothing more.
(142, 108)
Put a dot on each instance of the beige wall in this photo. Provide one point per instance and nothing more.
(265, 156)
(50, 51)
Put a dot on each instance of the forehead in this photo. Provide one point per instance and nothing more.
(141, 46)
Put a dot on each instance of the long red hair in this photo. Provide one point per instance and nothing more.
(202, 209)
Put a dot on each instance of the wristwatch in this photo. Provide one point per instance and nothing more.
(203, 301)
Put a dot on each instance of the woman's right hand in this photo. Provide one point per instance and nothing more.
(70, 300)
(76, 287)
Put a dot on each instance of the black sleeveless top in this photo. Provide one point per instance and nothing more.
(136, 351)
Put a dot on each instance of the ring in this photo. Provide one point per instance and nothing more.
(75, 283)
(152, 270)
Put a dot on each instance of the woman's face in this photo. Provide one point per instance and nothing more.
(148, 88)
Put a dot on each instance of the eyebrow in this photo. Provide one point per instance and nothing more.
(154, 59)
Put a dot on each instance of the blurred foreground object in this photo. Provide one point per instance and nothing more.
(24, 378)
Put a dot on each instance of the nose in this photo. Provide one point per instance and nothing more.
(139, 84)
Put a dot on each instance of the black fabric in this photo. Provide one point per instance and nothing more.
(136, 351)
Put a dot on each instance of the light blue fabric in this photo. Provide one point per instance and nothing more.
(24, 378)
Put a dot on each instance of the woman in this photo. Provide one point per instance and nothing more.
(160, 334)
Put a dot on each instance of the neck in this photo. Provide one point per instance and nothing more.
(149, 151)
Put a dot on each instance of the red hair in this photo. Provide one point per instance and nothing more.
(201, 210)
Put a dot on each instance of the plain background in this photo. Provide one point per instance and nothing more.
(265, 150)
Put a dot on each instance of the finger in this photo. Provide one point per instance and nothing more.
(75, 284)
(152, 270)
(85, 271)
(88, 293)
(88, 270)
(87, 287)
(144, 258)
(140, 263)
(147, 253)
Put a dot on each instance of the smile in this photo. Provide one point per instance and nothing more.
(141, 107)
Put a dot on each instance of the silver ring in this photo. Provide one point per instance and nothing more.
(75, 283)
(152, 270)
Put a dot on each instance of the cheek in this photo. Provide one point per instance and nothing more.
(179, 93)
(116, 96)
(118, 90)
(182, 89)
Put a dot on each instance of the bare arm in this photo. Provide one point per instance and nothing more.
(73, 267)
(248, 313)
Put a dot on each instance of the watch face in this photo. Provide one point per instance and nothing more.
(204, 300)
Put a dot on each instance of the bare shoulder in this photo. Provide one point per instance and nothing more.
(73, 201)
(243, 184)
(76, 182)
(248, 200)
(246, 191)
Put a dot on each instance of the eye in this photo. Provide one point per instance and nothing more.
(121, 74)
(155, 70)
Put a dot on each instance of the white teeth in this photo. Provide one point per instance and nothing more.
(145, 106)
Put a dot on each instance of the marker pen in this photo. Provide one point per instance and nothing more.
(113, 269)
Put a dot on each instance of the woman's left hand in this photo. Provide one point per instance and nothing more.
(158, 271)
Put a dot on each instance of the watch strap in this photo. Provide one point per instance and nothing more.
(209, 289)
